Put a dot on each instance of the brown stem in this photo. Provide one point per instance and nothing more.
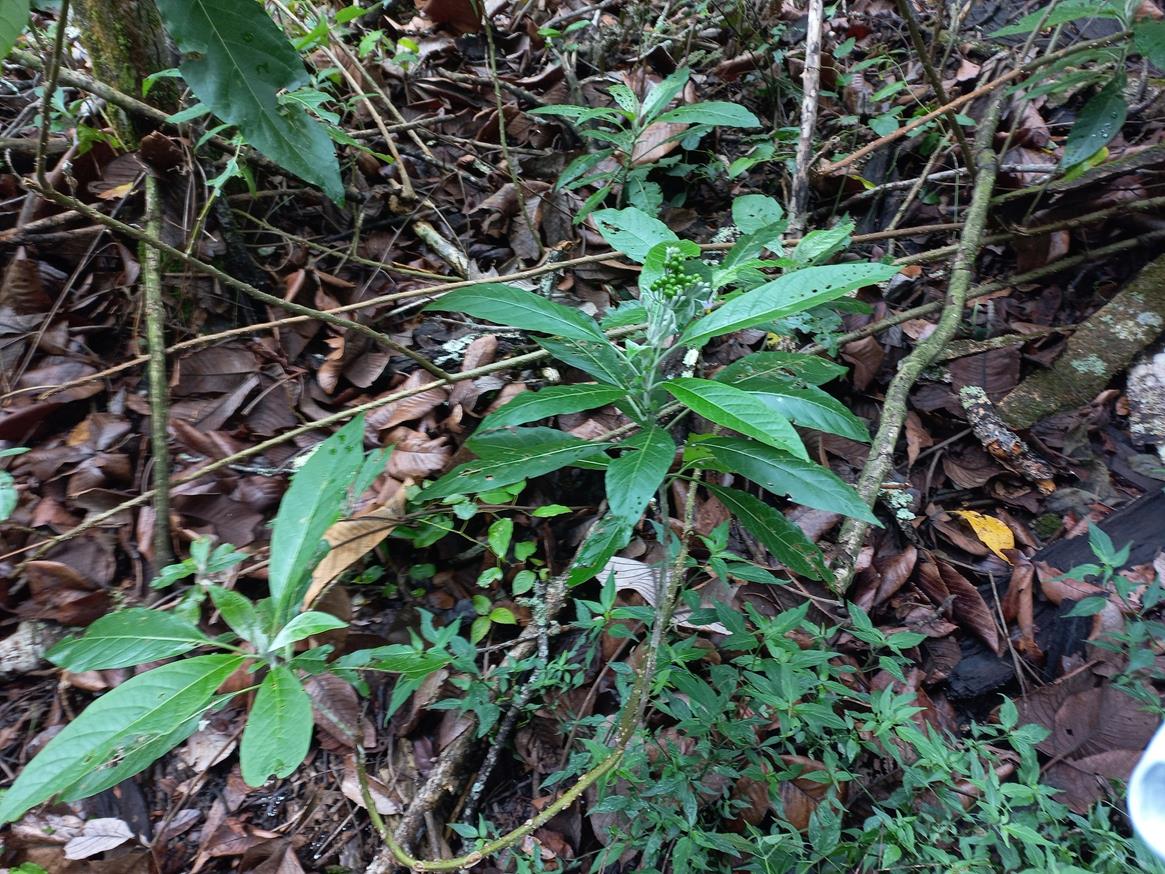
(880, 460)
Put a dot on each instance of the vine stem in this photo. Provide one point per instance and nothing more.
(156, 373)
(634, 709)
(880, 460)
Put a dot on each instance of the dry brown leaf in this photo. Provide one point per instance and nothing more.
(336, 708)
(352, 539)
(943, 584)
(460, 16)
(800, 795)
(386, 801)
(97, 836)
(415, 454)
(1085, 781)
(632, 575)
(917, 438)
(328, 376)
(407, 409)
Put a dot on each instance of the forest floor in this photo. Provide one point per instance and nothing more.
(1042, 415)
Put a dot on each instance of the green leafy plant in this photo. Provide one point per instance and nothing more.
(1102, 115)
(238, 63)
(684, 302)
(140, 720)
(623, 128)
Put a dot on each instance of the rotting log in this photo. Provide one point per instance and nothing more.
(1102, 346)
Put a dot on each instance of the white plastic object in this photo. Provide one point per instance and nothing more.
(1147, 795)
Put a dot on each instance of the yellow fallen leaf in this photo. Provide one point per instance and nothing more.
(994, 534)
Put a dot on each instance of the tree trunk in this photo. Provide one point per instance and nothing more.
(126, 43)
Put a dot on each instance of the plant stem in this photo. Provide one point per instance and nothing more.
(853, 531)
(935, 81)
(156, 370)
(810, 87)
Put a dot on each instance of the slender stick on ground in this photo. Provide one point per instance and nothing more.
(44, 188)
(159, 384)
(935, 80)
(983, 89)
(881, 458)
(810, 86)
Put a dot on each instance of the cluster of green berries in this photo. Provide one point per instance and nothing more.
(674, 281)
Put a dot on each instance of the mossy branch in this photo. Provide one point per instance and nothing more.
(881, 457)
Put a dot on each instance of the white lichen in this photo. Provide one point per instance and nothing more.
(1089, 364)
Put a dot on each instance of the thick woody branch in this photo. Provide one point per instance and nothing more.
(880, 461)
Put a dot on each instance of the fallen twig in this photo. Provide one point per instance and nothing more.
(810, 86)
(936, 82)
(853, 531)
(982, 90)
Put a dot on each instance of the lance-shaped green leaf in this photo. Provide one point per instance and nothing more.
(304, 625)
(663, 92)
(13, 18)
(633, 478)
(510, 456)
(766, 365)
(779, 536)
(238, 611)
(1099, 121)
(237, 62)
(785, 296)
(717, 112)
(556, 400)
(313, 503)
(810, 407)
(739, 410)
(278, 730)
(413, 665)
(780, 473)
(127, 637)
(518, 308)
(149, 706)
(607, 536)
(599, 359)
